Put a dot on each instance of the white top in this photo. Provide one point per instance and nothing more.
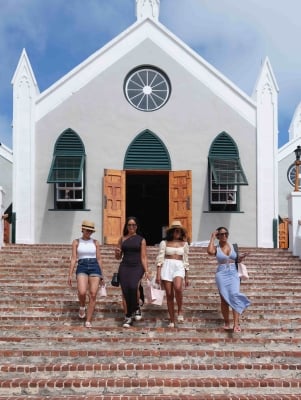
(86, 249)
(169, 251)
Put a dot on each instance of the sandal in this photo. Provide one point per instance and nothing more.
(82, 312)
(88, 324)
(180, 318)
(226, 327)
(237, 329)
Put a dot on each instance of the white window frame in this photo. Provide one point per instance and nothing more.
(227, 190)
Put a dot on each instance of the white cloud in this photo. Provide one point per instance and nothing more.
(235, 36)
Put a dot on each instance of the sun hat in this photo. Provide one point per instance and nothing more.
(90, 226)
(175, 225)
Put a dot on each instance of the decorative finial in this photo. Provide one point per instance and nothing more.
(147, 9)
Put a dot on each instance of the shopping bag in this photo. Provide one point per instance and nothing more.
(243, 272)
(153, 293)
(102, 290)
(158, 294)
(148, 294)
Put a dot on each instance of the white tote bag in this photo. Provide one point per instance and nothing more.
(243, 272)
(153, 293)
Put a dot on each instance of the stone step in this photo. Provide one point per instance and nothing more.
(46, 352)
(157, 385)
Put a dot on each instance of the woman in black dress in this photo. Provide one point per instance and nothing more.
(131, 250)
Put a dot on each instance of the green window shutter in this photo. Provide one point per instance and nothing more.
(147, 151)
(224, 162)
(68, 159)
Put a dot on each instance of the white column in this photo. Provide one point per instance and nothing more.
(294, 214)
(2, 194)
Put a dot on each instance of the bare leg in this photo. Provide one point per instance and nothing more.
(225, 311)
(170, 299)
(178, 289)
(82, 287)
(236, 326)
(93, 288)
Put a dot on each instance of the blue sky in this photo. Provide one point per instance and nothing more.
(234, 36)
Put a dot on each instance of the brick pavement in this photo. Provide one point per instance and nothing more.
(46, 352)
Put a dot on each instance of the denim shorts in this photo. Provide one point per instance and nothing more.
(88, 266)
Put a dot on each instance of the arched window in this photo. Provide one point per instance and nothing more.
(147, 151)
(67, 171)
(225, 174)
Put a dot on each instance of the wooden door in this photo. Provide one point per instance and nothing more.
(283, 234)
(114, 205)
(180, 191)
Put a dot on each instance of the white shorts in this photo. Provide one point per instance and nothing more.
(172, 268)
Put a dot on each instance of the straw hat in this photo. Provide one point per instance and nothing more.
(90, 226)
(176, 225)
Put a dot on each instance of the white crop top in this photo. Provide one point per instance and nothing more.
(170, 251)
(86, 249)
(178, 251)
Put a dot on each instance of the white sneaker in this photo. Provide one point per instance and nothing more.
(128, 322)
(138, 314)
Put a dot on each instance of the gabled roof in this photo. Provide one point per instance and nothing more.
(126, 42)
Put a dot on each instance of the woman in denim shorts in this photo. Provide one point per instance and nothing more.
(86, 253)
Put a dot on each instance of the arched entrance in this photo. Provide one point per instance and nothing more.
(147, 189)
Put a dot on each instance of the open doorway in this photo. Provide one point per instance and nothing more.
(147, 199)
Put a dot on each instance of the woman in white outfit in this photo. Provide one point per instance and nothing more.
(172, 268)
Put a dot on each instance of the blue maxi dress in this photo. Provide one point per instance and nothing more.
(228, 281)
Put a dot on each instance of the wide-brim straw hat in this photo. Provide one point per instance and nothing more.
(176, 225)
(89, 225)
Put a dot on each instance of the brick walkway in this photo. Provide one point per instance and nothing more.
(46, 352)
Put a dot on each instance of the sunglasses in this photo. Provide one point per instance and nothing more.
(223, 234)
(132, 224)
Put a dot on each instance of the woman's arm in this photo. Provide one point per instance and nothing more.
(161, 255)
(144, 257)
(72, 261)
(98, 254)
(185, 256)
(118, 251)
(211, 249)
(186, 263)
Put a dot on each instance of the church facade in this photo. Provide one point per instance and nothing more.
(145, 127)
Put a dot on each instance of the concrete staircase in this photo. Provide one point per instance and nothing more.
(46, 352)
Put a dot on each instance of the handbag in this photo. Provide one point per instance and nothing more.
(153, 293)
(235, 247)
(115, 279)
(102, 290)
(243, 272)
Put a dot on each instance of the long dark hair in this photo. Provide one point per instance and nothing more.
(125, 227)
(170, 232)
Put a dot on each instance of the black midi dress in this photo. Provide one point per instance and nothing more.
(131, 271)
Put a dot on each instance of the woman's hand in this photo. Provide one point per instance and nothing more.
(242, 256)
(117, 253)
(69, 281)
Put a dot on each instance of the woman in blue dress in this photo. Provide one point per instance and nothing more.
(227, 279)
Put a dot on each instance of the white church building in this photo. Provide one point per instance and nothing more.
(145, 127)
